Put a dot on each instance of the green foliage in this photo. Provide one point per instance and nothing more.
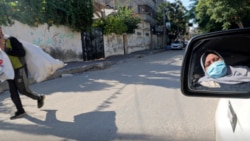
(4, 13)
(114, 25)
(175, 14)
(124, 21)
(76, 14)
(130, 19)
(28, 12)
(222, 12)
(191, 12)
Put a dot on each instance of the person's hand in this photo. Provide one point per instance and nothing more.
(2, 43)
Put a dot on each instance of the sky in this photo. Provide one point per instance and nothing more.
(186, 3)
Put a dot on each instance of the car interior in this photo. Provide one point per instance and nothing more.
(234, 50)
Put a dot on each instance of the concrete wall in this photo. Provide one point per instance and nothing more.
(113, 45)
(128, 43)
(60, 41)
(139, 41)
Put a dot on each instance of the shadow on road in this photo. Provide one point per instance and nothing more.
(154, 73)
(92, 126)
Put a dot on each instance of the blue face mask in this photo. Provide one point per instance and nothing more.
(217, 69)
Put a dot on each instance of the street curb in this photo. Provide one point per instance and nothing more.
(84, 68)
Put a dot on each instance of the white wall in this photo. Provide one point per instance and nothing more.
(59, 39)
(140, 40)
(113, 45)
(65, 45)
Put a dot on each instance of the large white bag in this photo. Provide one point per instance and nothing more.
(40, 64)
(6, 69)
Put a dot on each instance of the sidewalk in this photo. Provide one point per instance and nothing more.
(78, 67)
(83, 66)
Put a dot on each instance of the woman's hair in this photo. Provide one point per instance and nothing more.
(18, 45)
(15, 42)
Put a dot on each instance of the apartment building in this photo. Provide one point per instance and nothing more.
(145, 8)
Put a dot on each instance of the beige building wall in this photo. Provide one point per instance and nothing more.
(60, 41)
(63, 44)
(128, 43)
(113, 45)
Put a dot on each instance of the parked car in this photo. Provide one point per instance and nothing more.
(232, 117)
(177, 45)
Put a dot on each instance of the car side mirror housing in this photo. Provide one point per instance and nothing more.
(234, 47)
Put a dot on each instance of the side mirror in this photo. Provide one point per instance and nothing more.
(234, 47)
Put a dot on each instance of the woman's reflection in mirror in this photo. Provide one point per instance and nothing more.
(218, 73)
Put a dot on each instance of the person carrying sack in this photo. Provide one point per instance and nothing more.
(20, 84)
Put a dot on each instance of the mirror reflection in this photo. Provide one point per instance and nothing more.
(221, 64)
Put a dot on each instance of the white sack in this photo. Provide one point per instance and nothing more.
(40, 64)
(6, 69)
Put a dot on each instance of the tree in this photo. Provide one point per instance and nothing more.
(176, 15)
(76, 14)
(124, 21)
(130, 19)
(191, 12)
(5, 13)
(206, 24)
(225, 12)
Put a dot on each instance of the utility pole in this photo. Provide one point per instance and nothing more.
(164, 28)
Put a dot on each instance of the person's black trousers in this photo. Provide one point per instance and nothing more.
(20, 84)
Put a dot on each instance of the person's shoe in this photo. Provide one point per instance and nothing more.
(40, 101)
(18, 114)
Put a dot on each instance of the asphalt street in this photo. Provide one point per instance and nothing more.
(135, 99)
(83, 66)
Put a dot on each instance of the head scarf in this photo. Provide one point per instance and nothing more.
(235, 75)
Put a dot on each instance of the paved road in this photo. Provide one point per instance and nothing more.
(135, 100)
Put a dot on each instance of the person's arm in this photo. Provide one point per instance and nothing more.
(17, 48)
(2, 43)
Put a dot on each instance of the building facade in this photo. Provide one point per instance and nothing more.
(147, 9)
(64, 44)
